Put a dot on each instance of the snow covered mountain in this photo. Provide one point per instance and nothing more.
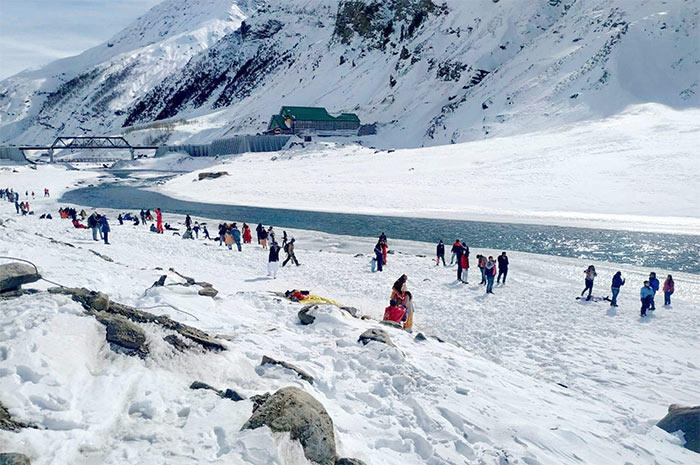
(426, 72)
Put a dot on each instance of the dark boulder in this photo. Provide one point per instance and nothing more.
(123, 335)
(346, 461)
(374, 334)
(13, 458)
(233, 395)
(208, 291)
(176, 342)
(304, 316)
(685, 419)
(13, 275)
(292, 410)
(215, 175)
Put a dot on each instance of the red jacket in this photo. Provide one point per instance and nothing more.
(465, 261)
(394, 313)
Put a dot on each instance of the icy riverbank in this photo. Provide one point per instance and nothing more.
(537, 378)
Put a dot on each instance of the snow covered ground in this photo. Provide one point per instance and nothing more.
(637, 170)
(534, 376)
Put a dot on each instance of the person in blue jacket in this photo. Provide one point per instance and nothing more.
(646, 294)
(104, 226)
(654, 283)
(378, 256)
(617, 282)
(236, 233)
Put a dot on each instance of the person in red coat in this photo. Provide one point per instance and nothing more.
(394, 312)
(159, 221)
(247, 238)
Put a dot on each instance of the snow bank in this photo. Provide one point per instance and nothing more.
(536, 377)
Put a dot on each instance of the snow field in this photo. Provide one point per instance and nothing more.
(492, 398)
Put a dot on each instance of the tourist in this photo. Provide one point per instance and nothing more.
(502, 268)
(454, 251)
(481, 261)
(271, 234)
(120, 218)
(490, 274)
(408, 325)
(440, 253)
(236, 236)
(188, 222)
(263, 239)
(378, 257)
(159, 221)
(77, 224)
(399, 289)
(46, 192)
(289, 249)
(464, 262)
(617, 283)
(196, 229)
(284, 239)
(590, 276)
(654, 283)
(669, 287)
(259, 229)
(646, 294)
(104, 228)
(247, 239)
(206, 232)
(228, 236)
(273, 263)
(458, 250)
(385, 247)
(222, 233)
(93, 223)
(142, 214)
(394, 312)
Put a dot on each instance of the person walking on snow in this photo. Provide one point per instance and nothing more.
(196, 229)
(236, 236)
(590, 276)
(289, 249)
(669, 287)
(502, 268)
(188, 222)
(454, 251)
(482, 268)
(617, 282)
(378, 257)
(654, 283)
(159, 221)
(490, 274)
(247, 239)
(104, 227)
(385, 246)
(440, 254)
(259, 230)
(459, 252)
(263, 239)
(273, 263)
(284, 239)
(206, 232)
(646, 294)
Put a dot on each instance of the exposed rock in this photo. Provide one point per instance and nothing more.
(13, 275)
(102, 256)
(304, 316)
(685, 419)
(421, 337)
(13, 458)
(346, 461)
(375, 334)
(351, 310)
(17, 293)
(233, 395)
(213, 175)
(101, 302)
(128, 337)
(176, 342)
(161, 281)
(302, 374)
(201, 385)
(8, 423)
(292, 410)
(208, 291)
(87, 298)
(392, 324)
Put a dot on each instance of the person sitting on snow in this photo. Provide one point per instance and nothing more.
(394, 313)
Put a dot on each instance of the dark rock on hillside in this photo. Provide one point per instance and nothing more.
(123, 335)
(292, 410)
(176, 342)
(346, 461)
(13, 275)
(685, 419)
(227, 394)
(7, 423)
(302, 374)
(215, 175)
(13, 458)
(374, 334)
(304, 316)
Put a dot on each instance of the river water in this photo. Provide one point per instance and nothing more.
(657, 250)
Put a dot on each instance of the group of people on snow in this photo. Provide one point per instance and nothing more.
(647, 293)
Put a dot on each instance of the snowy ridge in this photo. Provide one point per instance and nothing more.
(535, 377)
(428, 73)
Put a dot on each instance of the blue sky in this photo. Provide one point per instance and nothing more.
(35, 32)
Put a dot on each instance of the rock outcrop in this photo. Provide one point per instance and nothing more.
(374, 334)
(13, 458)
(123, 335)
(13, 275)
(218, 174)
(292, 410)
(302, 374)
(305, 317)
(685, 419)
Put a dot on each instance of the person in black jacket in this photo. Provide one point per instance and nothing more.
(440, 254)
(273, 263)
(502, 267)
(617, 282)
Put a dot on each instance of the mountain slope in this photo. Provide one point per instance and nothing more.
(428, 73)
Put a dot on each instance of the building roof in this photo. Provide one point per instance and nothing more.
(315, 114)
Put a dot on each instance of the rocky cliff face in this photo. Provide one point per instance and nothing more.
(427, 72)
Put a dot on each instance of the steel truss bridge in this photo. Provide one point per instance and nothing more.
(89, 143)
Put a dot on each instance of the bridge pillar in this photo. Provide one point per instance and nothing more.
(51, 155)
(131, 151)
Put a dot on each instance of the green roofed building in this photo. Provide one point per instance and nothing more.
(312, 120)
